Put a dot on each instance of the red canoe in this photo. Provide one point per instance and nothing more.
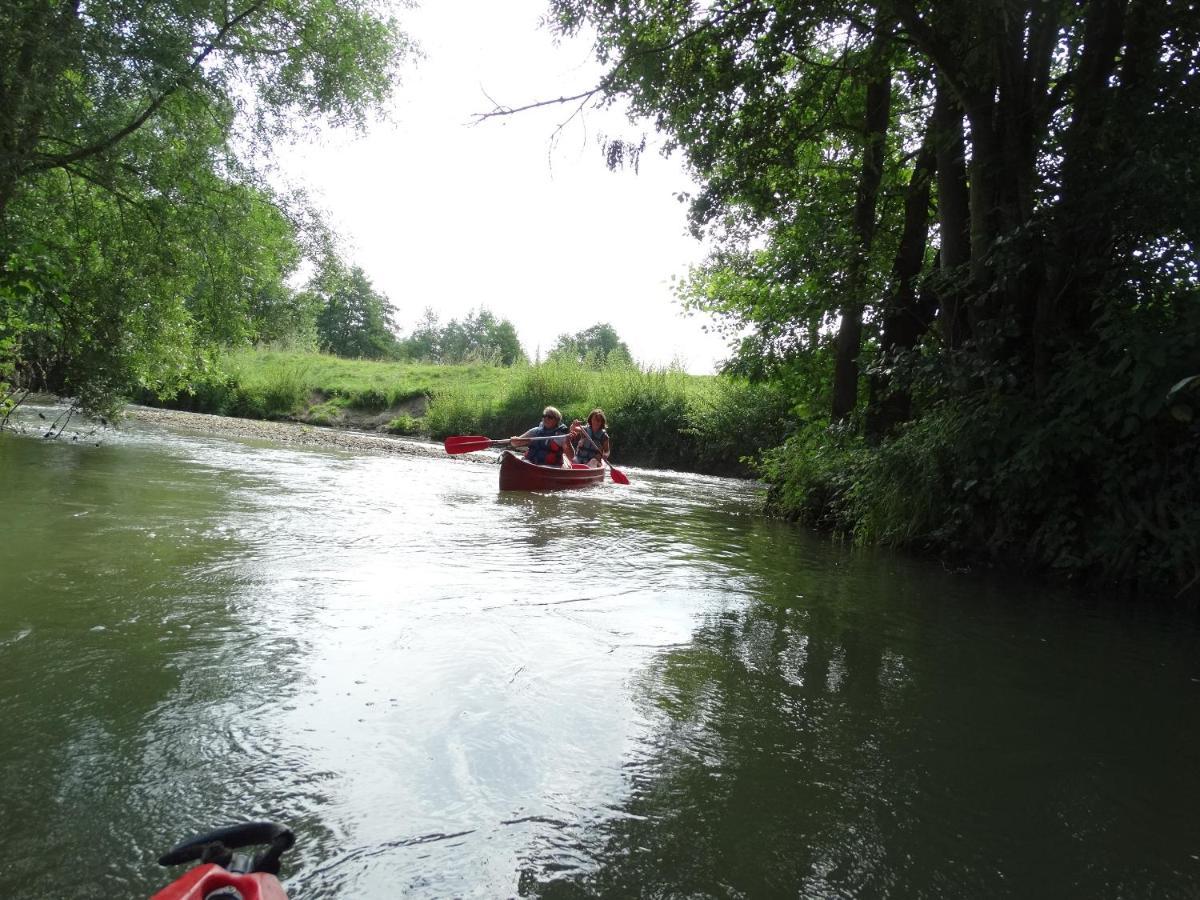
(516, 474)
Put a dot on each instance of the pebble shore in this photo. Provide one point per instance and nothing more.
(282, 432)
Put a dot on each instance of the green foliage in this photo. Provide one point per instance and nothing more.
(1029, 353)
(456, 409)
(596, 346)
(353, 319)
(130, 205)
(659, 417)
(730, 419)
(478, 338)
(403, 424)
(810, 475)
(424, 343)
(970, 476)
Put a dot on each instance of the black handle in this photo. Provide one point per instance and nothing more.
(214, 845)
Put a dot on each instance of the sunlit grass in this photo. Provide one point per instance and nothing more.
(360, 382)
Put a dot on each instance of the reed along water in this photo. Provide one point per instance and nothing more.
(622, 691)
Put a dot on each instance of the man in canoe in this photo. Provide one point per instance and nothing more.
(552, 446)
(589, 443)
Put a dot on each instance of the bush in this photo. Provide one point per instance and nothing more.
(456, 410)
(731, 420)
(403, 425)
(1096, 475)
(811, 475)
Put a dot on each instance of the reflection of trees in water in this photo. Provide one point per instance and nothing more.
(771, 773)
(902, 733)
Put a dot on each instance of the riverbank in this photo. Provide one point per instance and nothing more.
(294, 433)
(658, 418)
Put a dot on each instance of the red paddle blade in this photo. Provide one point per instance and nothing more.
(617, 475)
(466, 443)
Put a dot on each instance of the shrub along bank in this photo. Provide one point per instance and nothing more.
(1093, 478)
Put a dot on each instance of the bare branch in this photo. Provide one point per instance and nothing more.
(500, 110)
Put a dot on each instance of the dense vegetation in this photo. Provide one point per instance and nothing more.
(657, 417)
(139, 237)
(963, 237)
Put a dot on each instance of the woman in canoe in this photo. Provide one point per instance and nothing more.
(546, 442)
(589, 443)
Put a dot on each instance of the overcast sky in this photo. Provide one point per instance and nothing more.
(442, 212)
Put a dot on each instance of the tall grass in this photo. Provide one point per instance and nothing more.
(657, 416)
(277, 383)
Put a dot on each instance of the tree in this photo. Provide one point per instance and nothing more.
(599, 345)
(764, 101)
(354, 320)
(135, 234)
(80, 80)
(480, 337)
(426, 339)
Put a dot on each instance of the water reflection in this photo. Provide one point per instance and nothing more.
(817, 742)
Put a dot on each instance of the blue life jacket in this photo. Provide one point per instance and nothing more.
(584, 451)
(546, 453)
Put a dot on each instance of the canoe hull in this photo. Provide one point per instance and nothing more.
(516, 474)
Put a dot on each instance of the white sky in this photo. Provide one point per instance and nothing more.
(445, 213)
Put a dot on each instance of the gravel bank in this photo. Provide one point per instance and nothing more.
(282, 432)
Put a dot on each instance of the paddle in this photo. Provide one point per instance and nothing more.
(617, 475)
(468, 443)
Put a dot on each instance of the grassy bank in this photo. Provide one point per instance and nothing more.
(657, 417)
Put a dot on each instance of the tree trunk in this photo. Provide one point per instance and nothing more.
(1081, 233)
(908, 315)
(849, 338)
(954, 215)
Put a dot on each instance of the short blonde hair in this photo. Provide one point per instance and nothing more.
(551, 411)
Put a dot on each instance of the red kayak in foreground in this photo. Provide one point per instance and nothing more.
(225, 873)
(517, 474)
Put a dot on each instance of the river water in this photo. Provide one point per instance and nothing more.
(624, 691)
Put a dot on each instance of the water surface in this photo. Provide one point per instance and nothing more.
(621, 691)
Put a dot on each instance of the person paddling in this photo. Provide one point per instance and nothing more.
(548, 451)
(590, 442)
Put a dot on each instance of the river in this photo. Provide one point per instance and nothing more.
(624, 691)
